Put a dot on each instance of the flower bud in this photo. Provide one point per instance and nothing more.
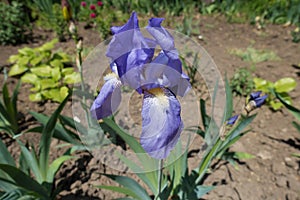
(72, 28)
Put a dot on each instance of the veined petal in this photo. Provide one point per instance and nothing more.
(159, 74)
(166, 41)
(161, 125)
(108, 99)
(132, 23)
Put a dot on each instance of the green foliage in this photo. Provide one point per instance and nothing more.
(14, 23)
(19, 180)
(293, 110)
(46, 70)
(50, 17)
(296, 35)
(217, 147)
(169, 7)
(191, 69)
(242, 82)
(281, 87)
(279, 11)
(9, 111)
(187, 26)
(254, 56)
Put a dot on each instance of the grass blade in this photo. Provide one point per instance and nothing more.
(119, 189)
(24, 181)
(229, 104)
(32, 161)
(130, 184)
(5, 157)
(47, 134)
(55, 165)
(59, 132)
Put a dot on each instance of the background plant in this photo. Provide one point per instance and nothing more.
(242, 82)
(14, 24)
(47, 71)
(49, 16)
(255, 56)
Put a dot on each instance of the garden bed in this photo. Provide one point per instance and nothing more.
(273, 174)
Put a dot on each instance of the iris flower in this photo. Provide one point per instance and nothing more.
(158, 78)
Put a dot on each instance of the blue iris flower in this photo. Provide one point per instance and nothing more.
(159, 78)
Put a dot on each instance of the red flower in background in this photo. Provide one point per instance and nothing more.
(99, 3)
(93, 15)
(92, 7)
(83, 3)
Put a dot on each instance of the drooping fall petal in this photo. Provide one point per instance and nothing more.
(108, 99)
(161, 125)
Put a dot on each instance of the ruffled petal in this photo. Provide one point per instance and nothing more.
(166, 41)
(132, 23)
(108, 99)
(159, 74)
(128, 48)
(161, 125)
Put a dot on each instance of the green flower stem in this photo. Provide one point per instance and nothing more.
(160, 174)
(207, 159)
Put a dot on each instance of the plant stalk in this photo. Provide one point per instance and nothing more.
(160, 175)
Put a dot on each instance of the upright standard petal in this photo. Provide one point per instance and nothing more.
(128, 47)
(161, 125)
(108, 99)
(132, 23)
(166, 41)
(158, 73)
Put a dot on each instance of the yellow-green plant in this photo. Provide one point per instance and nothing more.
(47, 71)
(281, 87)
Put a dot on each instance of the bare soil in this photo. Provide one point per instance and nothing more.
(273, 174)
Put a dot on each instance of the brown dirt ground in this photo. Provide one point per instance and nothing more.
(272, 174)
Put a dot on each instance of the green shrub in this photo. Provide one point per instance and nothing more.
(13, 24)
(49, 16)
(45, 70)
(242, 82)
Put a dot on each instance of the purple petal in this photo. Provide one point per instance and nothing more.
(108, 99)
(159, 74)
(232, 120)
(162, 125)
(162, 37)
(132, 23)
(128, 48)
(166, 41)
(260, 101)
(254, 95)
